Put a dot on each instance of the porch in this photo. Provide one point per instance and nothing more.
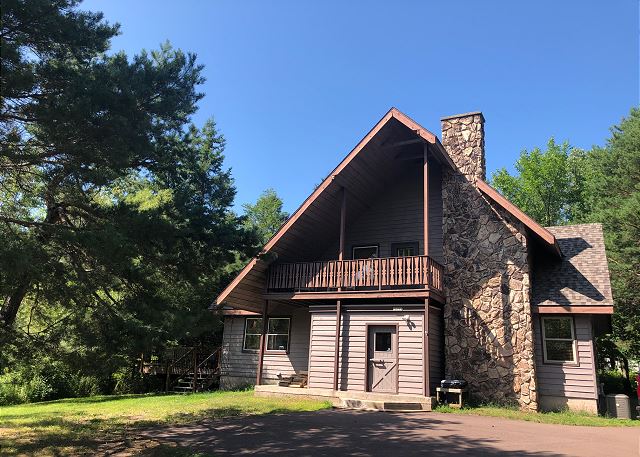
(371, 401)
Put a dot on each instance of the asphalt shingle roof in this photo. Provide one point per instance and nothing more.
(581, 278)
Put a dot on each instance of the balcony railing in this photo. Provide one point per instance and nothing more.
(365, 274)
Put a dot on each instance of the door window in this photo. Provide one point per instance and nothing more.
(382, 342)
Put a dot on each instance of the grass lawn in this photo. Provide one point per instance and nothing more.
(83, 426)
(561, 418)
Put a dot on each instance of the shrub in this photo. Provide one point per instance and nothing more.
(614, 382)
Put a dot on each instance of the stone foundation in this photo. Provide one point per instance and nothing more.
(488, 327)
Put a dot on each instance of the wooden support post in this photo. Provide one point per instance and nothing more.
(343, 222)
(425, 320)
(263, 342)
(336, 358)
(425, 348)
(425, 199)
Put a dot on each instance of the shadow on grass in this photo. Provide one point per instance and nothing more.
(108, 435)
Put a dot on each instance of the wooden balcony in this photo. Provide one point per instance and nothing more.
(366, 275)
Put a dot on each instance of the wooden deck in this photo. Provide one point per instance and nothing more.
(184, 368)
(383, 274)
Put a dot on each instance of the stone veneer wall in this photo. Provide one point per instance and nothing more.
(488, 326)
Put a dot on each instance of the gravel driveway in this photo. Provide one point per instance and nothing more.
(341, 432)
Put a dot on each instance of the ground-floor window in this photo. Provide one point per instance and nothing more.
(277, 333)
(559, 340)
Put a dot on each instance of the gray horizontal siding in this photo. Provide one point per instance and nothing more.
(571, 381)
(396, 217)
(353, 350)
(238, 363)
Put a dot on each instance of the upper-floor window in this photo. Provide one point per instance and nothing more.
(404, 249)
(364, 252)
(559, 339)
(277, 333)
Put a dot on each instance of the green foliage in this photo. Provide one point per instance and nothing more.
(564, 185)
(612, 196)
(266, 215)
(548, 185)
(44, 379)
(115, 211)
(615, 382)
(559, 417)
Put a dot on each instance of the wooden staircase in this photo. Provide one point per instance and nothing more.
(186, 369)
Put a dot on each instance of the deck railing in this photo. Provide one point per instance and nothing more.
(383, 273)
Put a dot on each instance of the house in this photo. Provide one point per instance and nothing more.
(429, 273)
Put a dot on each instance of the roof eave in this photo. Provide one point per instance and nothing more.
(539, 231)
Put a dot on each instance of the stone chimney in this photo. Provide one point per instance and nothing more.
(463, 138)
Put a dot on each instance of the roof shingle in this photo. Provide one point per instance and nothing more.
(581, 278)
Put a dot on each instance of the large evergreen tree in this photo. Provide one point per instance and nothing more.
(612, 197)
(114, 211)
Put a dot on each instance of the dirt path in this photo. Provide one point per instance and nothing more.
(337, 433)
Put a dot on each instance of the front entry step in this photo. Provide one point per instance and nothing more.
(373, 405)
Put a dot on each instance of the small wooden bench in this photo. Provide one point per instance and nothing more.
(460, 392)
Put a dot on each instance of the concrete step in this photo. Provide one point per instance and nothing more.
(373, 405)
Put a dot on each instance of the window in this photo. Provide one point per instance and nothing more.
(404, 249)
(558, 338)
(277, 334)
(364, 252)
(252, 331)
(382, 342)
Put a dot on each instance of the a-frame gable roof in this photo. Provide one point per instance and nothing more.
(246, 289)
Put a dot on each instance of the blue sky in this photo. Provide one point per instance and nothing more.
(295, 85)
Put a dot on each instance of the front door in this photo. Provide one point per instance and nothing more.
(382, 356)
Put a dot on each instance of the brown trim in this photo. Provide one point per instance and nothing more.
(425, 350)
(557, 309)
(337, 345)
(265, 307)
(538, 230)
(408, 293)
(238, 312)
(343, 221)
(366, 359)
(576, 362)
(392, 113)
(425, 202)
